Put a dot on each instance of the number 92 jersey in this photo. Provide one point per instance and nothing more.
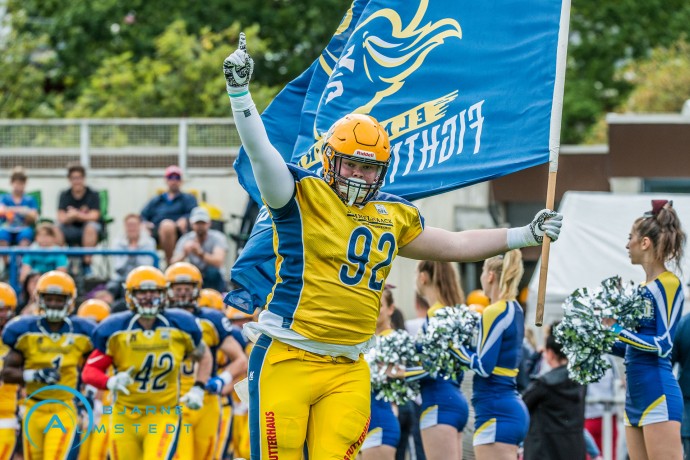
(333, 259)
(155, 355)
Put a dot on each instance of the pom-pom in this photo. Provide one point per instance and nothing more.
(583, 335)
(449, 328)
(393, 353)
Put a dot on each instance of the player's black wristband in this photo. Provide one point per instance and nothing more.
(200, 384)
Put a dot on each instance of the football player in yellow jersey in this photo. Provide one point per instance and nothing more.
(200, 440)
(146, 347)
(47, 350)
(335, 236)
(95, 446)
(9, 423)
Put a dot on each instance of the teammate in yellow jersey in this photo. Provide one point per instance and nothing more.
(95, 446)
(47, 350)
(9, 423)
(335, 236)
(200, 440)
(146, 347)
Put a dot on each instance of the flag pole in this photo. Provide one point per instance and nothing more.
(554, 148)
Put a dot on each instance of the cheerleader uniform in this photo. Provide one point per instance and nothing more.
(500, 414)
(652, 392)
(442, 401)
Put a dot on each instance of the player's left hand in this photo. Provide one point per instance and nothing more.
(215, 385)
(545, 222)
(194, 399)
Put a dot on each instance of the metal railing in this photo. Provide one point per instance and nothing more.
(15, 252)
(119, 143)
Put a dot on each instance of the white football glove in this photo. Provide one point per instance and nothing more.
(194, 399)
(238, 69)
(120, 381)
(545, 222)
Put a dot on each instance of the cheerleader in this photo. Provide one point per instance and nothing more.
(444, 407)
(653, 400)
(501, 418)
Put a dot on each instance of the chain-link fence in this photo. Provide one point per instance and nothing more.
(111, 144)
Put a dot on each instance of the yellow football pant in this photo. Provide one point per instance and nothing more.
(199, 433)
(297, 396)
(225, 432)
(95, 447)
(145, 436)
(49, 430)
(240, 435)
(8, 436)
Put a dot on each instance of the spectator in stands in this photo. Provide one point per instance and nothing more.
(18, 212)
(134, 239)
(46, 238)
(79, 213)
(28, 302)
(166, 215)
(204, 248)
(556, 406)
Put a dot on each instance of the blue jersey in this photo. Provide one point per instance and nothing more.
(652, 343)
(333, 259)
(499, 345)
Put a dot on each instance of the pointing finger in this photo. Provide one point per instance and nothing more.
(243, 42)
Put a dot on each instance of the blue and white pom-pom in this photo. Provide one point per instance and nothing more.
(449, 328)
(393, 353)
(583, 335)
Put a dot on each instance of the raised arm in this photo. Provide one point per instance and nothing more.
(474, 245)
(275, 181)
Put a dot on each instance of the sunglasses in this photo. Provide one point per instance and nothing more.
(174, 177)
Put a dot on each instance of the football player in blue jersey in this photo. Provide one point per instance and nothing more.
(335, 236)
(653, 400)
(501, 418)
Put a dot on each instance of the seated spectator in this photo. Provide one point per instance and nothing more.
(204, 248)
(556, 407)
(28, 302)
(133, 239)
(18, 212)
(46, 238)
(79, 212)
(166, 215)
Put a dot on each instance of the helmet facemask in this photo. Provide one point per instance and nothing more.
(147, 302)
(54, 307)
(353, 190)
(183, 295)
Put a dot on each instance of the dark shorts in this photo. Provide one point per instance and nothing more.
(73, 233)
(14, 235)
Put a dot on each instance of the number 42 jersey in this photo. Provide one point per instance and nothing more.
(155, 355)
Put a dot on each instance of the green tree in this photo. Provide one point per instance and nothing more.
(604, 37)
(661, 84)
(182, 79)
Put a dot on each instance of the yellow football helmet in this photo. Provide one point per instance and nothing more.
(146, 279)
(8, 303)
(212, 299)
(233, 314)
(360, 138)
(60, 284)
(94, 309)
(477, 297)
(183, 273)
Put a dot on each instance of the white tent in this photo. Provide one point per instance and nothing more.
(591, 247)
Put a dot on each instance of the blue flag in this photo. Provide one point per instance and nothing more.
(467, 91)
